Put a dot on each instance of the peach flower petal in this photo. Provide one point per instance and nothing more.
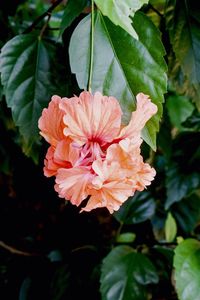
(109, 189)
(65, 151)
(144, 177)
(144, 111)
(72, 184)
(50, 165)
(51, 122)
(64, 155)
(92, 118)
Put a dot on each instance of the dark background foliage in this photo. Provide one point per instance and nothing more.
(48, 250)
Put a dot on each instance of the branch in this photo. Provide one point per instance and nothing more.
(155, 10)
(14, 250)
(40, 18)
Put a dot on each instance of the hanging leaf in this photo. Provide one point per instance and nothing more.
(29, 80)
(136, 209)
(170, 228)
(125, 274)
(122, 66)
(187, 271)
(119, 12)
(183, 22)
(72, 10)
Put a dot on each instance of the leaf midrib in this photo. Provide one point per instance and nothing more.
(114, 52)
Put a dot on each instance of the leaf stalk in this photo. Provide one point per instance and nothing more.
(91, 48)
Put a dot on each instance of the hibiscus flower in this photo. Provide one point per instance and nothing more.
(91, 153)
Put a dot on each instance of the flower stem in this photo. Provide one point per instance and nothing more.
(91, 47)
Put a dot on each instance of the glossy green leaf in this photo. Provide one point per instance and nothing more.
(122, 66)
(170, 228)
(183, 22)
(119, 12)
(27, 74)
(179, 109)
(136, 209)
(72, 10)
(187, 271)
(179, 185)
(125, 275)
(127, 237)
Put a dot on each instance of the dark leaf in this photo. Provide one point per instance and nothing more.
(179, 185)
(193, 122)
(187, 212)
(72, 10)
(136, 209)
(125, 274)
(179, 109)
(183, 22)
(28, 76)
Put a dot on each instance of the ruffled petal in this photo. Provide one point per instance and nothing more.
(92, 118)
(51, 122)
(57, 158)
(144, 177)
(65, 151)
(126, 154)
(109, 188)
(72, 184)
(144, 111)
(111, 195)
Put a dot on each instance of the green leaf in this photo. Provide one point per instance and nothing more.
(1, 90)
(137, 209)
(187, 212)
(125, 274)
(167, 252)
(187, 271)
(27, 73)
(193, 122)
(170, 228)
(119, 12)
(179, 185)
(122, 66)
(179, 109)
(60, 284)
(127, 237)
(183, 22)
(72, 10)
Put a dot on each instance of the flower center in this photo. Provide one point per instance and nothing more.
(89, 153)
